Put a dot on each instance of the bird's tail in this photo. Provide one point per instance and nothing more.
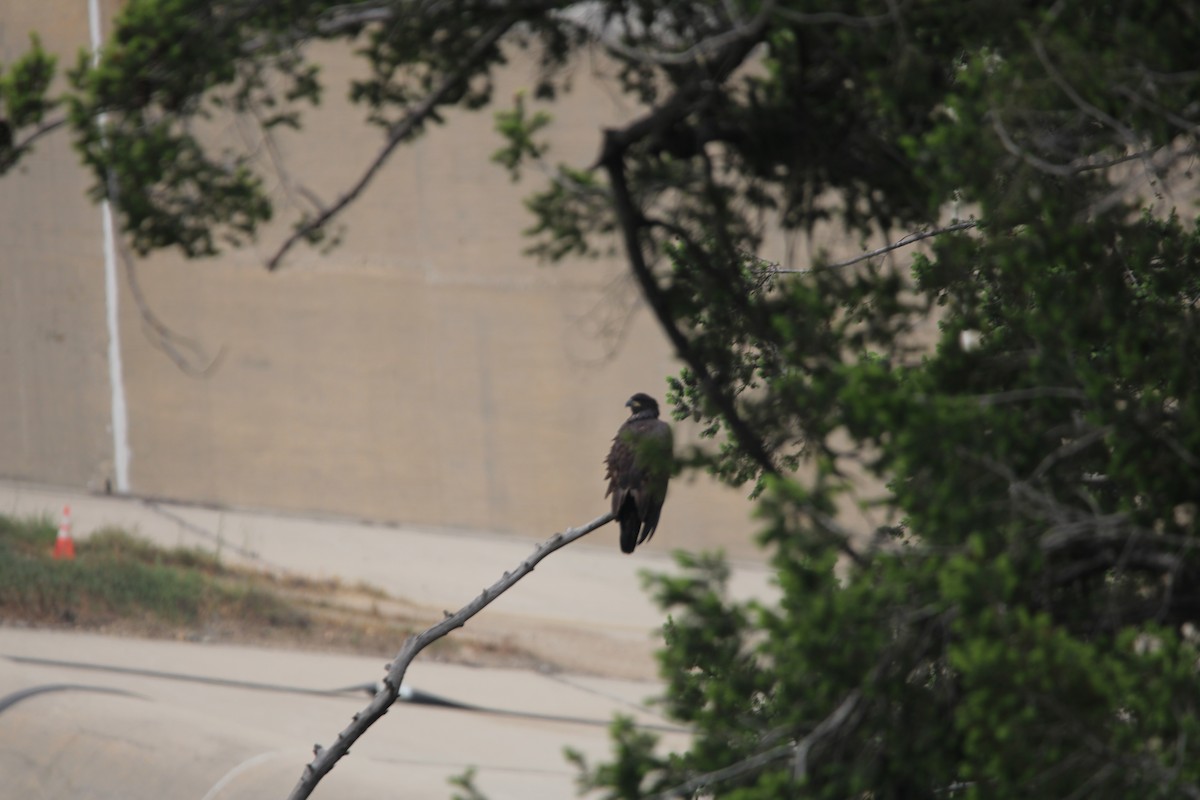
(650, 523)
(629, 532)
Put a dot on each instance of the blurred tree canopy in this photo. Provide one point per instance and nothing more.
(1025, 626)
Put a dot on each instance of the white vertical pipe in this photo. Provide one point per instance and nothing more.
(116, 379)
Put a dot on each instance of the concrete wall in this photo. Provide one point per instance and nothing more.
(54, 397)
(426, 371)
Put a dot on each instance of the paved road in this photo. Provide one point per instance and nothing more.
(84, 715)
(95, 716)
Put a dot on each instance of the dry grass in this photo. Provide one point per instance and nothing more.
(124, 585)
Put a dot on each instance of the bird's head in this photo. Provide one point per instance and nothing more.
(642, 404)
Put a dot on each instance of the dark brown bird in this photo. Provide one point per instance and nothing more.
(639, 466)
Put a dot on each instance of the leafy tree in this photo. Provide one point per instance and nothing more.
(25, 103)
(1026, 626)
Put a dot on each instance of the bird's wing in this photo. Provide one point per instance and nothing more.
(623, 473)
(656, 453)
(640, 463)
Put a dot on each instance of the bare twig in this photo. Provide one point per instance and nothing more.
(840, 535)
(185, 352)
(18, 149)
(1083, 105)
(835, 18)
(827, 726)
(798, 750)
(1074, 167)
(403, 129)
(339, 18)
(1031, 393)
(326, 757)
(275, 158)
(699, 52)
(331, 22)
(1189, 127)
(1069, 450)
(911, 238)
(736, 770)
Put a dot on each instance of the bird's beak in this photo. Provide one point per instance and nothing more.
(629, 404)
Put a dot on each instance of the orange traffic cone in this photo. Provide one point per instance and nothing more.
(64, 545)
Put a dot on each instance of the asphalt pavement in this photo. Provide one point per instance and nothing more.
(84, 715)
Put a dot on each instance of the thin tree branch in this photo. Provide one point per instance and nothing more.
(326, 757)
(904, 242)
(699, 52)
(835, 18)
(1188, 126)
(412, 121)
(1087, 108)
(1031, 393)
(1069, 450)
(18, 149)
(1082, 164)
(798, 750)
(185, 352)
(736, 770)
(275, 158)
(339, 18)
(826, 727)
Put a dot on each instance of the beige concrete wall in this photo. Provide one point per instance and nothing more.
(54, 398)
(426, 371)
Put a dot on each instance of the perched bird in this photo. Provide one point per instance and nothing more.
(639, 466)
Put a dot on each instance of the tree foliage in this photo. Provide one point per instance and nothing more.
(1026, 626)
(25, 103)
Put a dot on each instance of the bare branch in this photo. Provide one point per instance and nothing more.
(835, 18)
(185, 352)
(697, 53)
(332, 22)
(1145, 761)
(14, 153)
(736, 770)
(412, 122)
(1188, 126)
(1087, 108)
(339, 18)
(278, 163)
(911, 238)
(679, 104)
(840, 535)
(799, 751)
(1032, 393)
(1070, 449)
(1083, 164)
(828, 725)
(326, 757)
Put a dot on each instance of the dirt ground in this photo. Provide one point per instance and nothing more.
(366, 621)
(327, 617)
(361, 589)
